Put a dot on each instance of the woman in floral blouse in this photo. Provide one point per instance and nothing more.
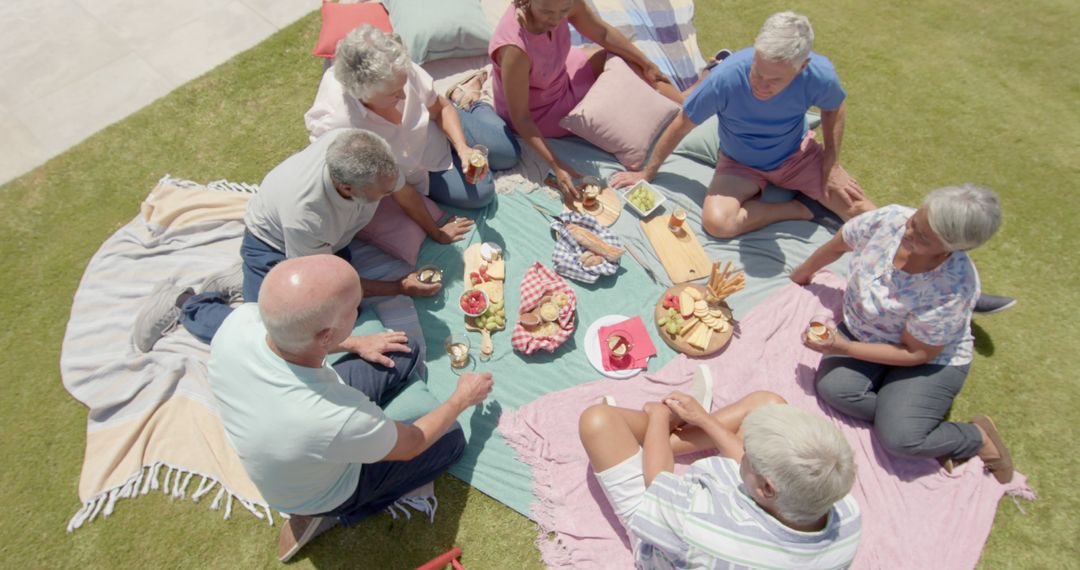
(904, 347)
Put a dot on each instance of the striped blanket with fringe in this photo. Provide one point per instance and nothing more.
(152, 422)
(662, 29)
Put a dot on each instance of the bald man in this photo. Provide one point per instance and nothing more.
(313, 437)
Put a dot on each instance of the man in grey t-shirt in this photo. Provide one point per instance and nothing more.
(313, 202)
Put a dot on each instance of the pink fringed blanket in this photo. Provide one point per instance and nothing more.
(914, 514)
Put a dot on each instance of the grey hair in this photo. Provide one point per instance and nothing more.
(294, 330)
(803, 455)
(964, 216)
(359, 158)
(786, 37)
(367, 58)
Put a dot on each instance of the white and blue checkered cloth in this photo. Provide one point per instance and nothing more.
(566, 259)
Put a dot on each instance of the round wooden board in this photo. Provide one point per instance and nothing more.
(607, 210)
(718, 340)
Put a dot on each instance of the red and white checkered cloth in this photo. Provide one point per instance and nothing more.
(538, 282)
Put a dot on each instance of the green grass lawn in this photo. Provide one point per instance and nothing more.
(939, 92)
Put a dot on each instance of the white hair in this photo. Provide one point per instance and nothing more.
(803, 455)
(294, 329)
(786, 37)
(367, 58)
(359, 158)
(964, 216)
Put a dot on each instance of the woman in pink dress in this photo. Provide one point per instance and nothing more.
(539, 78)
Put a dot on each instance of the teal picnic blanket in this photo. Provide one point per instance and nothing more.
(489, 464)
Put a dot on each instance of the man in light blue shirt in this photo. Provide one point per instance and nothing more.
(313, 437)
(760, 96)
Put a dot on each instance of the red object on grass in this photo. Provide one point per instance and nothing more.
(449, 557)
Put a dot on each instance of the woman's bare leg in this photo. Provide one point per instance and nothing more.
(611, 434)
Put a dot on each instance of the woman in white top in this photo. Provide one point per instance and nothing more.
(373, 85)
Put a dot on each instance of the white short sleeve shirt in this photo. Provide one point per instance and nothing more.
(419, 144)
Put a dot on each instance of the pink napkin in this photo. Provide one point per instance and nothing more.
(642, 348)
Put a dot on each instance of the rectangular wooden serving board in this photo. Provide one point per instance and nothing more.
(682, 255)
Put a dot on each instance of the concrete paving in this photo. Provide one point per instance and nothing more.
(72, 67)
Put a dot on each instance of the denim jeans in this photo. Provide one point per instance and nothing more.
(384, 482)
(481, 126)
(203, 314)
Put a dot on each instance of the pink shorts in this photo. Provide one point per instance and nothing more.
(801, 171)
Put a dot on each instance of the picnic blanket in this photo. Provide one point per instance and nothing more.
(914, 514)
(152, 422)
(662, 29)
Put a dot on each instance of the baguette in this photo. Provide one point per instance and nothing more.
(593, 243)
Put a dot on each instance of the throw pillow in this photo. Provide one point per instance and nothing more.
(703, 143)
(440, 29)
(393, 231)
(340, 19)
(621, 114)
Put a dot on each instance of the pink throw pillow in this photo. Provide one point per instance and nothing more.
(394, 232)
(621, 114)
(340, 19)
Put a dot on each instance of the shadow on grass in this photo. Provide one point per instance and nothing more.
(984, 345)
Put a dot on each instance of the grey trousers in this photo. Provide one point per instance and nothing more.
(907, 404)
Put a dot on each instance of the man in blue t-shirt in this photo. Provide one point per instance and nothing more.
(760, 96)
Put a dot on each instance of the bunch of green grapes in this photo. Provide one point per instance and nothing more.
(642, 198)
(492, 319)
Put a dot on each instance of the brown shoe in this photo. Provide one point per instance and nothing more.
(1000, 467)
(296, 533)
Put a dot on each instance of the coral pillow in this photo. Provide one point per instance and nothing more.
(394, 232)
(621, 114)
(340, 19)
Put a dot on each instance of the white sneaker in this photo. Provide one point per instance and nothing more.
(701, 387)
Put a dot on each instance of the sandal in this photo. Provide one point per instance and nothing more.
(460, 86)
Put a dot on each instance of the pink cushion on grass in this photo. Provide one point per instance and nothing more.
(340, 19)
(621, 114)
(393, 231)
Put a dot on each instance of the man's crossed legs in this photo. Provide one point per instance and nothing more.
(733, 205)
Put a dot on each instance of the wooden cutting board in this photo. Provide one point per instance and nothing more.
(717, 340)
(473, 261)
(607, 209)
(682, 255)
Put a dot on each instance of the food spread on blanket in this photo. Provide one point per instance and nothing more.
(695, 319)
(597, 198)
(482, 301)
(548, 309)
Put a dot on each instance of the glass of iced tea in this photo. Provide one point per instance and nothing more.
(477, 166)
(457, 348)
(590, 192)
(677, 221)
(818, 329)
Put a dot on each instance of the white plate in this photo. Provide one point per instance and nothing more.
(592, 348)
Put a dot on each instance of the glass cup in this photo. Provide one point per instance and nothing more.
(591, 187)
(818, 328)
(619, 346)
(677, 220)
(477, 166)
(457, 348)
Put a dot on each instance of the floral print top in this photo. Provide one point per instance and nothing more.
(881, 301)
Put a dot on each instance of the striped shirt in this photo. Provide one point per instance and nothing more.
(705, 519)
